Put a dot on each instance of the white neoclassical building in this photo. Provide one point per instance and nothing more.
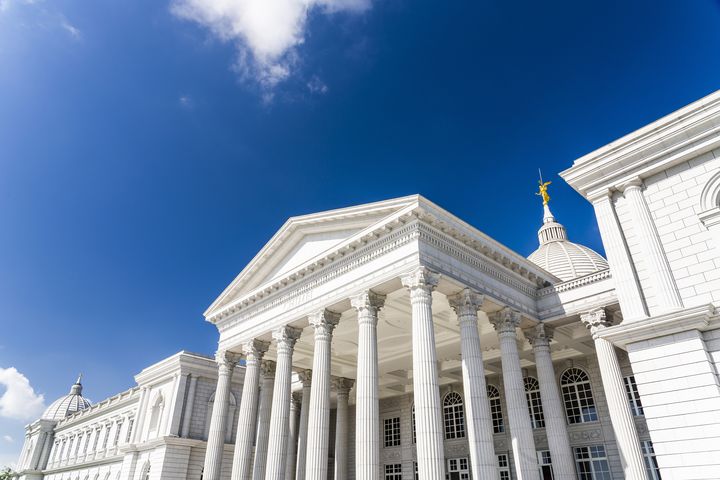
(394, 341)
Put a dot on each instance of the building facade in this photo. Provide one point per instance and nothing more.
(395, 341)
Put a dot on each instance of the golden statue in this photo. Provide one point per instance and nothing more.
(543, 191)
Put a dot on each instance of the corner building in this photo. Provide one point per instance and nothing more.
(393, 341)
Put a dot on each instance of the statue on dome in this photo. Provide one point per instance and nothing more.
(543, 191)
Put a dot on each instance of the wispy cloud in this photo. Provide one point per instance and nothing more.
(72, 30)
(19, 401)
(8, 439)
(37, 13)
(266, 33)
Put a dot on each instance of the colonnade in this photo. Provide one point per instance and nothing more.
(299, 446)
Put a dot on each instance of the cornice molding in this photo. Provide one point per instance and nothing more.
(424, 213)
(704, 317)
(512, 270)
(677, 137)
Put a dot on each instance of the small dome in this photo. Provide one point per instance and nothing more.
(561, 257)
(67, 405)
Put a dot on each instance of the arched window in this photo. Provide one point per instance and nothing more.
(145, 472)
(532, 392)
(577, 396)
(155, 413)
(495, 409)
(230, 417)
(454, 416)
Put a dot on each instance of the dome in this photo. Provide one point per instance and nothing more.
(67, 405)
(561, 257)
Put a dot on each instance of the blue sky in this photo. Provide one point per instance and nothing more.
(149, 149)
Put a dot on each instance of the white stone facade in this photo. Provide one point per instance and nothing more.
(368, 342)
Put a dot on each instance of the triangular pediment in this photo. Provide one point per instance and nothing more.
(303, 239)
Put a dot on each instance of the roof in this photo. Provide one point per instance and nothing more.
(561, 257)
(68, 404)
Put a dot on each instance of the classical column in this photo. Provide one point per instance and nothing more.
(305, 377)
(216, 436)
(254, 351)
(666, 290)
(428, 410)
(563, 463)
(523, 444)
(280, 419)
(316, 468)
(479, 419)
(263, 420)
(342, 388)
(625, 278)
(621, 417)
(292, 438)
(367, 403)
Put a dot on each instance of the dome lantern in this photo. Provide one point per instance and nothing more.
(558, 255)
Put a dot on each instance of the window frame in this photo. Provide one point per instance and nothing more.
(393, 471)
(589, 467)
(496, 411)
(633, 396)
(575, 394)
(391, 432)
(534, 401)
(454, 416)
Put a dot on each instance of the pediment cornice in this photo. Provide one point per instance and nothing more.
(398, 229)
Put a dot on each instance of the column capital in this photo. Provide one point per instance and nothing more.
(539, 335)
(632, 184)
(286, 337)
(295, 400)
(342, 385)
(324, 322)
(505, 321)
(422, 278)
(226, 361)
(305, 377)
(268, 368)
(466, 302)
(368, 300)
(255, 349)
(595, 320)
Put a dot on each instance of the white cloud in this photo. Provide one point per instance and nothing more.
(19, 401)
(266, 33)
(71, 29)
(8, 439)
(316, 85)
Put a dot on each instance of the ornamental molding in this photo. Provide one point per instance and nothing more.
(684, 134)
(702, 318)
(574, 283)
(116, 401)
(464, 244)
(586, 435)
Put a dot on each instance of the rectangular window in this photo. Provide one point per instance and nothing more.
(633, 395)
(414, 436)
(129, 430)
(651, 464)
(393, 471)
(545, 463)
(592, 463)
(497, 417)
(116, 438)
(392, 432)
(415, 469)
(458, 469)
(503, 467)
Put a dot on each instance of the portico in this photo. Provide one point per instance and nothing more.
(398, 297)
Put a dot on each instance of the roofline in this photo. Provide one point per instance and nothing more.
(284, 230)
(679, 136)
